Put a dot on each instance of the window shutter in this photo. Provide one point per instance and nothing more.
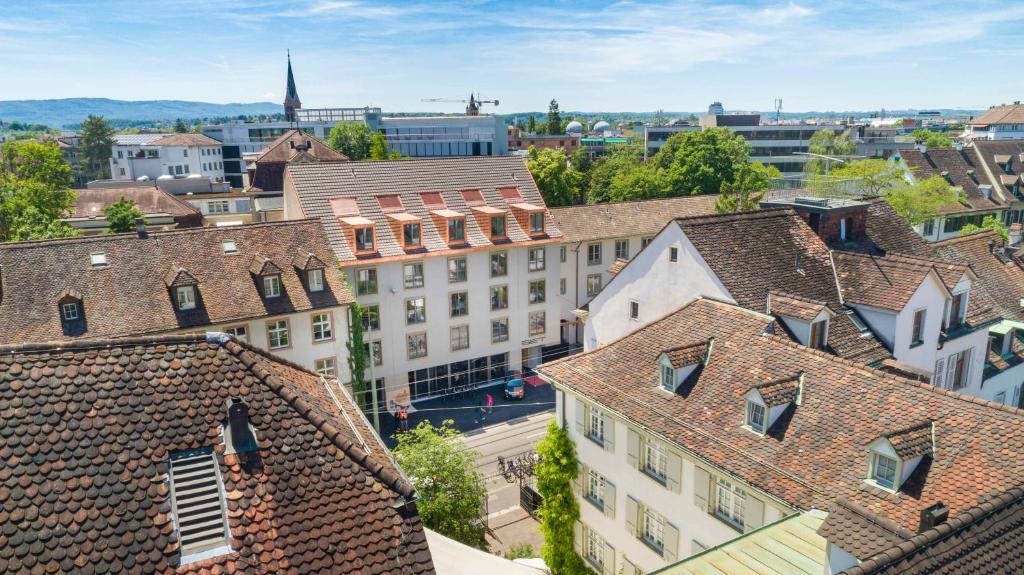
(609, 499)
(609, 433)
(578, 538)
(632, 512)
(581, 414)
(609, 559)
(671, 550)
(701, 488)
(950, 371)
(967, 364)
(633, 448)
(753, 516)
(939, 370)
(674, 472)
(581, 474)
(628, 568)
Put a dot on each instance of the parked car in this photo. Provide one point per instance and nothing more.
(515, 389)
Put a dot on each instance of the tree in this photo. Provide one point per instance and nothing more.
(180, 127)
(637, 183)
(557, 180)
(351, 139)
(531, 124)
(121, 216)
(556, 472)
(34, 191)
(378, 147)
(443, 470)
(827, 143)
(989, 223)
(874, 176)
(581, 161)
(554, 125)
(357, 356)
(921, 201)
(94, 147)
(699, 162)
(931, 139)
(619, 159)
(744, 193)
(36, 161)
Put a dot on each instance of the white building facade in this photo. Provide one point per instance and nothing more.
(152, 156)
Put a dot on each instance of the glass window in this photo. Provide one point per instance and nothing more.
(653, 529)
(272, 286)
(412, 275)
(919, 317)
(561, 254)
(186, 297)
(322, 327)
(957, 310)
(673, 254)
(668, 378)
(729, 502)
(315, 278)
(595, 425)
(364, 239)
(537, 291)
(595, 487)
(371, 317)
(366, 281)
(594, 254)
(818, 333)
(561, 286)
(456, 230)
(459, 304)
(634, 310)
(622, 249)
(498, 226)
(885, 471)
(459, 336)
(69, 311)
(594, 547)
(593, 284)
(239, 331)
(415, 310)
(277, 334)
(536, 222)
(755, 416)
(538, 323)
(644, 242)
(655, 459)
(499, 297)
(325, 367)
(411, 234)
(537, 257)
(416, 344)
(457, 270)
(218, 207)
(499, 330)
(377, 354)
(499, 264)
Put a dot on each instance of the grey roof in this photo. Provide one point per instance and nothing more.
(136, 139)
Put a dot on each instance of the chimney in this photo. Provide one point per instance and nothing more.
(958, 145)
(239, 436)
(140, 228)
(933, 516)
(991, 246)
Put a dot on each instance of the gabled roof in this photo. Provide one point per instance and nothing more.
(1001, 280)
(956, 164)
(1005, 114)
(911, 441)
(796, 307)
(270, 164)
(647, 217)
(130, 296)
(86, 486)
(889, 281)
(318, 184)
(821, 455)
(185, 140)
(987, 150)
(687, 354)
(151, 201)
(779, 392)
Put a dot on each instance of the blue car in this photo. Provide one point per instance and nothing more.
(515, 389)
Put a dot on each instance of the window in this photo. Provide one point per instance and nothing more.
(457, 270)
(673, 254)
(595, 425)
(918, 336)
(499, 330)
(561, 254)
(634, 310)
(846, 229)
(818, 332)
(561, 286)
(653, 529)
(593, 254)
(884, 471)
(459, 336)
(416, 344)
(411, 235)
(644, 242)
(729, 503)
(499, 297)
(229, 247)
(958, 367)
(456, 230)
(364, 239)
(325, 367)
(929, 228)
(595, 487)
(538, 323)
(499, 264)
(239, 331)
(377, 354)
(459, 304)
(593, 284)
(498, 226)
(537, 257)
(622, 249)
(69, 311)
(322, 327)
(668, 377)
(537, 222)
(184, 153)
(593, 547)
(655, 460)
(186, 297)
(277, 334)
(755, 416)
(412, 275)
(371, 317)
(272, 286)
(537, 291)
(218, 207)
(1000, 398)
(957, 311)
(415, 310)
(198, 505)
(98, 260)
(366, 281)
(315, 279)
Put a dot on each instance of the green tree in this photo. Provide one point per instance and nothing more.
(874, 176)
(531, 124)
(36, 161)
(94, 147)
(828, 143)
(378, 147)
(637, 183)
(699, 162)
(989, 223)
(556, 472)
(581, 161)
(351, 139)
(749, 185)
(357, 356)
(554, 124)
(931, 139)
(922, 201)
(443, 470)
(34, 191)
(619, 159)
(559, 183)
(180, 127)
(121, 216)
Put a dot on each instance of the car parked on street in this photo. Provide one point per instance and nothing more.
(515, 389)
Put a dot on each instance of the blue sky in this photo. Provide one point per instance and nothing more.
(595, 56)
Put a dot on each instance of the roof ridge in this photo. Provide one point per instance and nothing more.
(759, 214)
(632, 202)
(908, 428)
(99, 343)
(874, 518)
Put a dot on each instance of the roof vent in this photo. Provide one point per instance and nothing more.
(932, 516)
(140, 228)
(239, 436)
(197, 492)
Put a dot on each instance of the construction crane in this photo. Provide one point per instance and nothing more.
(472, 104)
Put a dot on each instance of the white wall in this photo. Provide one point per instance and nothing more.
(839, 560)
(1009, 382)
(930, 295)
(172, 156)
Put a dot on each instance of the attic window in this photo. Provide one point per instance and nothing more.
(70, 311)
(755, 416)
(272, 286)
(895, 455)
(229, 247)
(537, 222)
(98, 259)
(883, 470)
(668, 377)
(186, 296)
(315, 278)
(197, 493)
(364, 239)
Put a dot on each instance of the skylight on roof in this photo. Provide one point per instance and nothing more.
(229, 247)
(197, 492)
(857, 322)
(98, 259)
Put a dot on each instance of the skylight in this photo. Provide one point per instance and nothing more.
(199, 511)
(98, 259)
(229, 247)
(857, 321)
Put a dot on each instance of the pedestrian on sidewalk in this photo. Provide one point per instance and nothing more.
(490, 403)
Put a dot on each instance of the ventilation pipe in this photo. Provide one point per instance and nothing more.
(239, 436)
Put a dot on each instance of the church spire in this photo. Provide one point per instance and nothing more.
(291, 97)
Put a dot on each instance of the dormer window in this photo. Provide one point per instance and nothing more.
(668, 377)
(893, 457)
(315, 279)
(411, 235)
(883, 470)
(364, 239)
(272, 286)
(766, 402)
(676, 364)
(537, 223)
(498, 227)
(456, 230)
(70, 311)
(186, 296)
(957, 310)
(819, 334)
(755, 416)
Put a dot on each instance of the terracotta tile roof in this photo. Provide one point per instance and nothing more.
(987, 150)
(956, 164)
(1005, 114)
(185, 140)
(780, 391)
(85, 483)
(317, 184)
(987, 539)
(818, 453)
(687, 354)
(1000, 279)
(888, 232)
(647, 217)
(129, 296)
(911, 441)
(888, 282)
(617, 266)
(804, 309)
(270, 164)
(859, 531)
(91, 203)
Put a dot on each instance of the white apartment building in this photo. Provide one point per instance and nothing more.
(453, 261)
(1005, 122)
(152, 156)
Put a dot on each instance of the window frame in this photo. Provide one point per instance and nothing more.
(232, 330)
(315, 279)
(457, 225)
(654, 460)
(917, 330)
(408, 349)
(421, 315)
(595, 425)
(502, 290)
(333, 367)
(653, 538)
(413, 281)
(735, 503)
(624, 245)
(451, 304)
(594, 254)
(406, 227)
(501, 256)
(370, 346)
(673, 254)
(272, 286)
(329, 329)
(877, 461)
(457, 275)
(360, 240)
(72, 306)
(634, 310)
(504, 336)
(543, 325)
(368, 324)
(818, 337)
(535, 287)
(668, 376)
(371, 271)
(286, 330)
(754, 411)
(503, 227)
(599, 280)
(536, 222)
(464, 337)
(536, 259)
(595, 488)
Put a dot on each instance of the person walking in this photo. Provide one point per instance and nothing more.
(403, 418)
(490, 403)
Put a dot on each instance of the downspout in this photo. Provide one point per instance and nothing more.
(577, 288)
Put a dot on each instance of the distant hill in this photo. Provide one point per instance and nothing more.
(58, 113)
